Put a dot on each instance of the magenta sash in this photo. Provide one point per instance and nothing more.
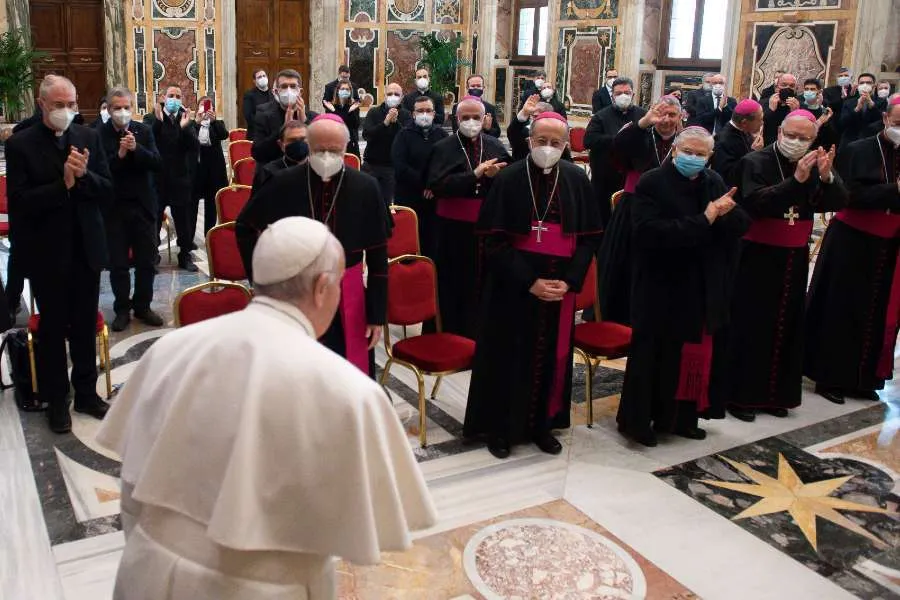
(694, 373)
(459, 209)
(631, 179)
(885, 367)
(353, 317)
(553, 241)
(873, 222)
(779, 232)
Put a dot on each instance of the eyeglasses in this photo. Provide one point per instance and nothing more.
(796, 136)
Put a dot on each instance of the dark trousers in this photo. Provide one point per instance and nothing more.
(15, 281)
(177, 196)
(385, 177)
(67, 302)
(208, 194)
(129, 226)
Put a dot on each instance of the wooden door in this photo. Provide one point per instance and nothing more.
(71, 33)
(271, 35)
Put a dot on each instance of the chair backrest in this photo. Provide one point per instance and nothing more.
(616, 198)
(4, 202)
(209, 300)
(243, 171)
(352, 161)
(239, 149)
(223, 253)
(587, 297)
(412, 290)
(576, 138)
(405, 234)
(230, 201)
(237, 134)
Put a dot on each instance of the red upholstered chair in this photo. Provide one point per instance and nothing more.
(230, 201)
(34, 323)
(352, 161)
(209, 300)
(4, 208)
(237, 134)
(579, 152)
(239, 149)
(412, 298)
(243, 171)
(405, 235)
(597, 341)
(223, 254)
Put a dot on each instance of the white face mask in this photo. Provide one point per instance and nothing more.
(121, 117)
(546, 93)
(288, 97)
(262, 83)
(893, 134)
(104, 115)
(392, 101)
(865, 88)
(538, 83)
(718, 89)
(326, 164)
(470, 128)
(61, 118)
(546, 157)
(794, 150)
(623, 101)
(707, 86)
(422, 83)
(424, 119)
(884, 93)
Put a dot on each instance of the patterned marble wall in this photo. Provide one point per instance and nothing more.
(173, 42)
(890, 62)
(380, 37)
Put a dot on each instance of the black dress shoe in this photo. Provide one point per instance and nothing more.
(149, 317)
(865, 395)
(499, 447)
(59, 419)
(121, 321)
(94, 407)
(832, 394)
(645, 438)
(187, 265)
(776, 412)
(743, 414)
(692, 433)
(547, 443)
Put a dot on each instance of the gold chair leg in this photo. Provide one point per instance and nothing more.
(589, 391)
(31, 361)
(423, 440)
(106, 362)
(385, 371)
(437, 386)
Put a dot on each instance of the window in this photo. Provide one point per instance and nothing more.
(532, 20)
(693, 33)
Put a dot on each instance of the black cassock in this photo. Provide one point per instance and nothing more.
(682, 285)
(351, 206)
(759, 359)
(854, 298)
(636, 150)
(458, 195)
(732, 145)
(522, 377)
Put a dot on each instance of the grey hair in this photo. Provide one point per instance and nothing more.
(694, 133)
(623, 81)
(314, 127)
(51, 81)
(478, 102)
(710, 74)
(541, 107)
(671, 101)
(300, 286)
(120, 91)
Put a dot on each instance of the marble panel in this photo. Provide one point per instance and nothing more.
(500, 93)
(763, 5)
(209, 51)
(584, 54)
(140, 77)
(447, 12)
(890, 61)
(503, 29)
(366, 10)
(817, 433)
(645, 89)
(402, 57)
(360, 48)
(174, 61)
(651, 31)
(803, 50)
(115, 54)
(174, 9)
(406, 11)
(588, 10)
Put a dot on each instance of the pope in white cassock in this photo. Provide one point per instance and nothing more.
(251, 454)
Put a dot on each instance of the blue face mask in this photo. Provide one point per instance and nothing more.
(344, 94)
(810, 96)
(173, 105)
(689, 165)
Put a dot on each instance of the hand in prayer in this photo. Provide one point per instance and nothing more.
(391, 117)
(792, 103)
(826, 116)
(126, 144)
(488, 122)
(549, 290)
(864, 100)
(75, 167)
(758, 142)
(805, 165)
(489, 168)
(186, 118)
(373, 333)
(824, 160)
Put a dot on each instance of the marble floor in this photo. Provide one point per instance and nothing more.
(795, 508)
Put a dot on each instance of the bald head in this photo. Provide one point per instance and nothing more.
(892, 113)
(394, 89)
(58, 101)
(327, 136)
(787, 81)
(470, 109)
(799, 128)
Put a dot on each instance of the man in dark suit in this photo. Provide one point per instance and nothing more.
(211, 174)
(58, 182)
(532, 87)
(603, 96)
(255, 97)
(270, 118)
(178, 145)
(131, 219)
(834, 95)
(331, 86)
(713, 109)
(423, 88)
(292, 142)
(475, 87)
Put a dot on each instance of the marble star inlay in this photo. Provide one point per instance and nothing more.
(803, 501)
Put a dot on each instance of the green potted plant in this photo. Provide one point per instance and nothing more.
(16, 77)
(443, 61)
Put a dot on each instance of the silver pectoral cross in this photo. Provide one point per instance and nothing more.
(539, 228)
(791, 216)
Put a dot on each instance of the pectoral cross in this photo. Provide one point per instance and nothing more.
(539, 228)
(791, 216)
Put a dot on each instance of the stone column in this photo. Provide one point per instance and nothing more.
(730, 54)
(115, 51)
(325, 35)
(872, 21)
(228, 45)
(487, 45)
(630, 38)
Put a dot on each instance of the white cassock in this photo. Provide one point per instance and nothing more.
(251, 456)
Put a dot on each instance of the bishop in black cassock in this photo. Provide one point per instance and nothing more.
(783, 186)
(541, 228)
(349, 203)
(460, 173)
(686, 230)
(739, 137)
(853, 307)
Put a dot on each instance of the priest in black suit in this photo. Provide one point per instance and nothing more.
(423, 88)
(270, 118)
(475, 87)
(255, 97)
(349, 203)
(712, 110)
(603, 96)
(742, 135)
(58, 184)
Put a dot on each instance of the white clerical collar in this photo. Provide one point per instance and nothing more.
(289, 310)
